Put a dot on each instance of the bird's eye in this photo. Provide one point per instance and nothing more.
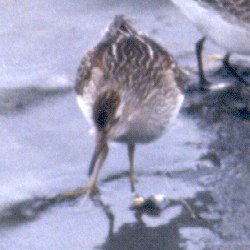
(123, 28)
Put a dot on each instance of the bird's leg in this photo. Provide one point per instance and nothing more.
(242, 87)
(203, 82)
(231, 69)
(131, 153)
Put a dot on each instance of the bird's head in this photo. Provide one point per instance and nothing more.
(120, 25)
(105, 110)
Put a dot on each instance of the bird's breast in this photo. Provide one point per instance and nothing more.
(149, 122)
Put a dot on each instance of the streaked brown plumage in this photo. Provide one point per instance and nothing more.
(130, 89)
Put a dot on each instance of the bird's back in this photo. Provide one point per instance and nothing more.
(126, 59)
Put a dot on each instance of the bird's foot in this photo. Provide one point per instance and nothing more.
(242, 93)
(79, 192)
(204, 84)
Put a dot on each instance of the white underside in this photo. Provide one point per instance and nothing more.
(85, 107)
(178, 106)
(145, 126)
(231, 36)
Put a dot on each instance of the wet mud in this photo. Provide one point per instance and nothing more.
(201, 165)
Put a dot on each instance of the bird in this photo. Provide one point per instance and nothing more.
(130, 89)
(225, 22)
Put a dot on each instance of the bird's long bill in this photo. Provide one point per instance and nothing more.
(100, 153)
